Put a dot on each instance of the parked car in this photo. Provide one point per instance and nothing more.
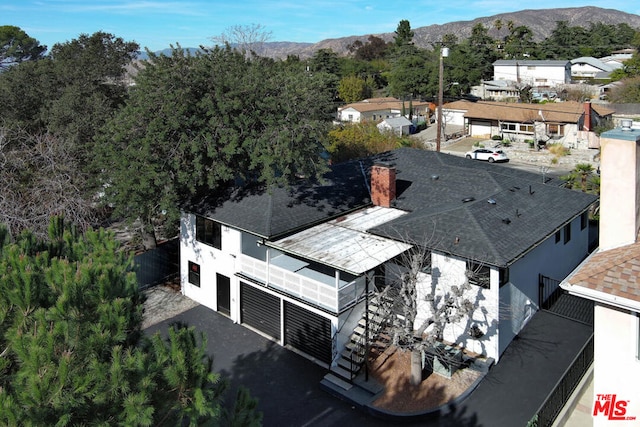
(489, 154)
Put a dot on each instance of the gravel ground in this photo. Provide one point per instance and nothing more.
(164, 302)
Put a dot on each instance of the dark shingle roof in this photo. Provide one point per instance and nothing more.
(271, 213)
(526, 210)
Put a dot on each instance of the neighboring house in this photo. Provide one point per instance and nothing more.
(570, 123)
(625, 112)
(611, 278)
(396, 125)
(298, 263)
(376, 109)
(496, 90)
(534, 73)
(590, 68)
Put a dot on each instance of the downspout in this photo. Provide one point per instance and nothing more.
(366, 326)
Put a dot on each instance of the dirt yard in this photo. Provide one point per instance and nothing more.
(392, 370)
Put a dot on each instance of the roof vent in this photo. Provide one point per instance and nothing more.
(468, 199)
(506, 221)
(434, 177)
(626, 124)
(491, 201)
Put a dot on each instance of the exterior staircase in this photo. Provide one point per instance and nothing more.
(355, 353)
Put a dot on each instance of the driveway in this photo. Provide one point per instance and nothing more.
(287, 384)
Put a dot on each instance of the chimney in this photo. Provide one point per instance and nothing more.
(383, 184)
(619, 187)
(587, 116)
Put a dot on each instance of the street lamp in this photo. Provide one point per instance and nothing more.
(444, 52)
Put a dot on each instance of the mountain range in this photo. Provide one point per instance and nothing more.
(541, 22)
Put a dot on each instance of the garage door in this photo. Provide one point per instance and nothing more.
(260, 310)
(480, 128)
(308, 332)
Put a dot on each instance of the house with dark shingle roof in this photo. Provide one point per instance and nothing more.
(299, 263)
(611, 278)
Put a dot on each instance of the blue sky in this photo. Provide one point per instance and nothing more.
(158, 23)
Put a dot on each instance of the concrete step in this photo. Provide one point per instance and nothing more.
(337, 381)
(341, 372)
(345, 361)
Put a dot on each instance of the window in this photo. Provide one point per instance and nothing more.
(194, 273)
(517, 127)
(209, 232)
(509, 127)
(567, 233)
(555, 129)
(426, 266)
(558, 235)
(584, 220)
(526, 128)
(504, 276)
(479, 275)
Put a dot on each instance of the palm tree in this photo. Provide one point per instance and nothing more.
(584, 171)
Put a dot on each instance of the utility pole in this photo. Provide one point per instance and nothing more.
(444, 52)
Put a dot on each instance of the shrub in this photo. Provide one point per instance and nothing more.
(558, 150)
(497, 137)
(531, 143)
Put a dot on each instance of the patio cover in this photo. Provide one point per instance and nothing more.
(344, 244)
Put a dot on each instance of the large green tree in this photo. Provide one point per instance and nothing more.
(353, 88)
(71, 348)
(17, 46)
(414, 74)
(352, 141)
(50, 110)
(194, 123)
(71, 91)
(403, 34)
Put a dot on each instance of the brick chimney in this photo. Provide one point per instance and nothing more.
(619, 188)
(587, 116)
(383, 184)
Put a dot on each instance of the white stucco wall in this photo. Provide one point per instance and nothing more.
(446, 272)
(211, 261)
(519, 297)
(343, 115)
(538, 75)
(619, 195)
(616, 364)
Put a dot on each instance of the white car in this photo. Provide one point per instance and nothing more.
(489, 154)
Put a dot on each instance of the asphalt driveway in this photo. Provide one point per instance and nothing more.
(287, 385)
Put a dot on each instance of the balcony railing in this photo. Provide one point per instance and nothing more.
(304, 283)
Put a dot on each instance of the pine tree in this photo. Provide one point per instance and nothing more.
(71, 348)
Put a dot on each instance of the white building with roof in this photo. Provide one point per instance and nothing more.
(535, 73)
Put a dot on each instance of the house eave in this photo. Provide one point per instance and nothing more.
(601, 297)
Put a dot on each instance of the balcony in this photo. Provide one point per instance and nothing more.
(298, 279)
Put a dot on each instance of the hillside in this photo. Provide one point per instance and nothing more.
(542, 22)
